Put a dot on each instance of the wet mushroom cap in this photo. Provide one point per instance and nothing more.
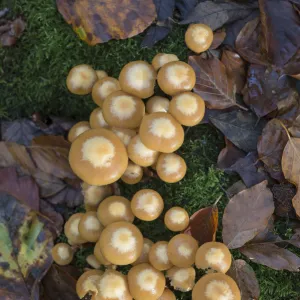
(133, 173)
(157, 104)
(98, 157)
(167, 295)
(77, 130)
(144, 257)
(62, 254)
(71, 229)
(90, 227)
(93, 261)
(160, 59)
(98, 254)
(158, 256)
(177, 219)
(97, 119)
(124, 134)
(182, 279)
(101, 74)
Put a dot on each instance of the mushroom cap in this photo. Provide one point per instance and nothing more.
(90, 227)
(187, 108)
(161, 132)
(62, 254)
(124, 134)
(133, 173)
(199, 37)
(170, 167)
(121, 243)
(138, 78)
(93, 261)
(77, 130)
(101, 74)
(114, 209)
(182, 250)
(103, 88)
(81, 79)
(98, 157)
(160, 59)
(147, 205)
(175, 77)
(97, 119)
(216, 286)
(158, 256)
(97, 252)
(144, 257)
(213, 255)
(145, 282)
(177, 219)
(182, 279)
(157, 104)
(167, 295)
(71, 229)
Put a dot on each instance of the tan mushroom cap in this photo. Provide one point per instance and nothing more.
(138, 78)
(81, 79)
(97, 252)
(213, 255)
(93, 261)
(71, 229)
(101, 74)
(216, 286)
(182, 250)
(121, 243)
(157, 104)
(103, 88)
(176, 77)
(62, 254)
(98, 157)
(147, 205)
(167, 295)
(145, 282)
(90, 227)
(144, 257)
(77, 130)
(199, 37)
(177, 219)
(124, 134)
(161, 132)
(97, 119)
(160, 59)
(114, 209)
(187, 108)
(158, 256)
(297, 76)
(133, 173)
(182, 279)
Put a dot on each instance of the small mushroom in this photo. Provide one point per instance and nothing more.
(147, 205)
(160, 59)
(97, 119)
(177, 219)
(157, 104)
(182, 279)
(98, 254)
(216, 286)
(81, 79)
(133, 173)
(90, 227)
(93, 261)
(145, 282)
(77, 130)
(71, 229)
(182, 250)
(167, 295)
(199, 37)
(144, 257)
(138, 78)
(124, 134)
(213, 255)
(101, 74)
(114, 209)
(62, 254)
(158, 256)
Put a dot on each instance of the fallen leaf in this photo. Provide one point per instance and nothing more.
(155, 34)
(219, 37)
(293, 66)
(14, 31)
(288, 110)
(51, 141)
(235, 188)
(185, 7)
(164, 9)
(295, 239)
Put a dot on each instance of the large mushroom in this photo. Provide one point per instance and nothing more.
(144, 257)
(158, 256)
(71, 229)
(182, 279)
(77, 130)
(62, 254)
(97, 119)
(199, 37)
(177, 219)
(160, 59)
(157, 104)
(90, 227)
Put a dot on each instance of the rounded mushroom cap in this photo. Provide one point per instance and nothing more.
(77, 130)
(167, 295)
(97, 119)
(199, 37)
(81, 79)
(101, 74)
(97, 252)
(182, 279)
(145, 282)
(160, 59)
(124, 134)
(114, 209)
(103, 88)
(158, 256)
(62, 254)
(147, 205)
(176, 77)
(161, 132)
(121, 243)
(93, 261)
(182, 250)
(98, 157)
(71, 229)
(170, 167)
(187, 108)
(213, 255)
(133, 173)
(90, 227)
(144, 257)
(157, 104)
(177, 219)
(216, 286)
(138, 78)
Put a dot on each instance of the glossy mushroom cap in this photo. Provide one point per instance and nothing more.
(98, 254)
(199, 37)
(216, 286)
(97, 119)
(77, 130)
(182, 279)
(167, 295)
(158, 256)
(90, 227)
(124, 134)
(144, 257)
(133, 173)
(161, 132)
(71, 229)
(62, 254)
(160, 59)
(138, 78)
(157, 104)
(177, 219)
(101, 74)
(98, 157)
(93, 261)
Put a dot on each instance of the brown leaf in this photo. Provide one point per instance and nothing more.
(51, 141)
(219, 37)
(295, 239)
(235, 188)
(14, 31)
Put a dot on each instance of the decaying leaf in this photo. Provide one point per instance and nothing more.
(164, 9)
(235, 188)
(11, 31)
(219, 37)
(185, 7)
(155, 34)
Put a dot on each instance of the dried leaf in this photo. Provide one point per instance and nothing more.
(288, 111)
(14, 30)
(235, 188)
(155, 34)
(219, 37)
(295, 239)
(185, 7)
(164, 9)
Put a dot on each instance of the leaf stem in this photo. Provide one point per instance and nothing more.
(241, 107)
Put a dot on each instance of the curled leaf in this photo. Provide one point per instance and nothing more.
(219, 37)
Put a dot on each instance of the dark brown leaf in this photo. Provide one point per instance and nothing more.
(219, 37)
(235, 189)
(295, 239)
(288, 111)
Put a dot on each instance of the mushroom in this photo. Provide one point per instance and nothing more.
(98, 254)
(81, 79)
(199, 37)
(182, 279)
(62, 254)
(124, 134)
(90, 227)
(170, 167)
(101, 74)
(123, 110)
(103, 88)
(144, 257)
(177, 219)
(98, 157)
(187, 108)
(175, 77)
(77, 130)
(138, 78)
(161, 132)
(160, 59)
(157, 104)
(167, 295)
(182, 250)
(133, 173)
(114, 209)
(93, 261)
(121, 243)
(213, 255)
(216, 286)
(71, 229)
(145, 282)
(147, 205)
(97, 120)
(158, 256)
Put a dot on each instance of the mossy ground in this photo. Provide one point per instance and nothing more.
(32, 78)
